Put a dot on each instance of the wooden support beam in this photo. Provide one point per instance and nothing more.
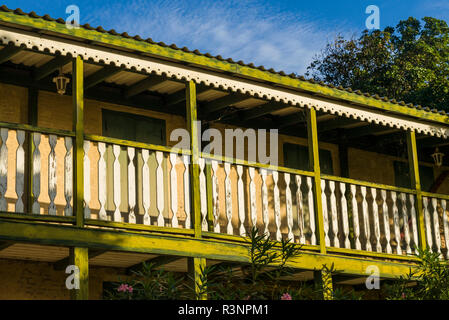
(100, 76)
(368, 130)
(5, 244)
(416, 184)
(64, 262)
(79, 258)
(8, 52)
(180, 96)
(196, 267)
(291, 120)
(145, 84)
(314, 163)
(50, 67)
(78, 147)
(338, 123)
(223, 102)
(262, 110)
(156, 262)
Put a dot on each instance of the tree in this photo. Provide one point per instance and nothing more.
(408, 63)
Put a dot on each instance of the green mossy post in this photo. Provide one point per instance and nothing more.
(195, 267)
(79, 257)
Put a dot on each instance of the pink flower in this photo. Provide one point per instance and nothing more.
(286, 296)
(403, 295)
(124, 287)
(130, 289)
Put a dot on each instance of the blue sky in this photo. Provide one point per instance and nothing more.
(284, 35)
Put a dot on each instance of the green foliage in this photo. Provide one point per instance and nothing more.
(409, 62)
(431, 279)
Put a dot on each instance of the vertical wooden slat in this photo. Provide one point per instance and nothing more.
(102, 181)
(252, 195)
(436, 225)
(146, 187)
(277, 205)
(68, 176)
(266, 221)
(215, 196)
(160, 189)
(366, 224)
(427, 222)
(117, 183)
(334, 215)
(86, 179)
(241, 200)
(288, 200)
(344, 214)
(386, 221)
(131, 186)
(36, 173)
(188, 223)
(376, 219)
(311, 209)
(3, 169)
(210, 197)
(203, 196)
(174, 189)
(405, 218)
(78, 127)
(445, 225)
(228, 194)
(414, 222)
(20, 172)
(52, 178)
(300, 210)
(397, 231)
(355, 217)
(325, 213)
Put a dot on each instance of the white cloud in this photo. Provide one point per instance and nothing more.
(250, 31)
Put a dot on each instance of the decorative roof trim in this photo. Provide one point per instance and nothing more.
(174, 70)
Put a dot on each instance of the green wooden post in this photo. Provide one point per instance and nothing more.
(314, 163)
(33, 95)
(79, 257)
(323, 279)
(191, 112)
(78, 127)
(195, 268)
(416, 184)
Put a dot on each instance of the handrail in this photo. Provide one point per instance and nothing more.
(255, 164)
(368, 184)
(435, 195)
(141, 145)
(30, 128)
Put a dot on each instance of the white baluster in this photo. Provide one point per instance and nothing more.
(20, 171)
(366, 227)
(300, 210)
(52, 139)
(376, 219)
(68, 176)
(146, 187)
(203, 195)
(266, 221)
(117, 184)
(288, 199)
(3, 169)
(160, 189)
(36, 173)
(334, 215)
(344, 214)
(174, 190)
(445, 226)
(436, 226)
(386, 220)
(252, 194)
(397, 231)
(355, 217)
(87, 179)
(215, 196)
(102, 181)
(325, 213)
(414, 223)
(228, 192)
(427, 222)
(131, 186)
(241, 200)
(277, 206)
(405, 218)
(311, 207)
(186, 161)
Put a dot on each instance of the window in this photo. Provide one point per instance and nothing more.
(402, 176)
(133, 127)
(297, 157)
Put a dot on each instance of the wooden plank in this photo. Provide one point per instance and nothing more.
(36, 173)
(355, 217)
(311, 210)
(102, 193)
(52, 177)
(86, 180)
(277, 205)
(445, 226)
(8, 52)
(188, 223)
(68, 176)
(215, 196)
(210, 197)
(195, 270)
(3, 169)
(157, 262)
(376, 226)
(223, 102)
(80, 258)
(146, 187)
(397, 231)
(325, 213)
(132, 185)
(241, 201)
(436, 225)
(228, 197)
(117, 183)
(411, 198)
(63, 263)
(366, 224)
(289, 209)
(252, 196)
(344, 214)
(180, 96)
(262, 110)
(406, 222)
(100, 76)
(300, 210)
(386, 221)
(340, 122)
(334, 214)
(143, 85)
(160, 195)
(5, 245)
(203, 196)
(20, 172)
(51, 66)
(174, 190)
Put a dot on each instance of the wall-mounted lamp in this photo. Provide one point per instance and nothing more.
(438, 157)
(61, 82)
